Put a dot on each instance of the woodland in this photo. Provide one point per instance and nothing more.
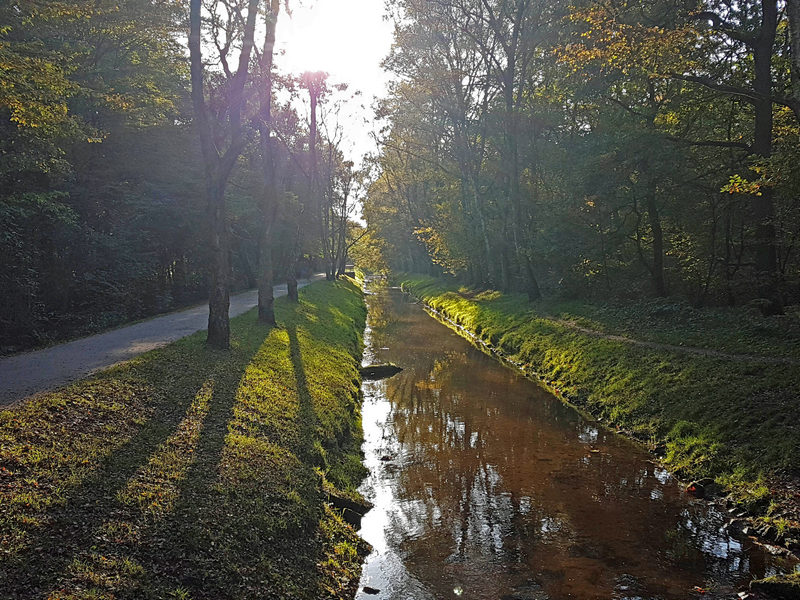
(596, 150)
(603, 194)
(123, 194)
(600, 150)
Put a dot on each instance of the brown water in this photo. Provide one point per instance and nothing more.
(487, 487)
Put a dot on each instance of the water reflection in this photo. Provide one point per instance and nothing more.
(485, 486)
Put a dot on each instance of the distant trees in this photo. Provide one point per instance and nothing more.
(110, 209)
(591, 148)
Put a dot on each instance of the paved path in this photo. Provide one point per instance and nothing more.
(32, 372)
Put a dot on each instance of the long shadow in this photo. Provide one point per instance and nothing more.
(72, 526)
(186, 538)
(215, 535)
(306, 417)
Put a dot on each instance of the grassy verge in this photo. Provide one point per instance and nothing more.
(734, 421)
(194, 473)
(736, 330)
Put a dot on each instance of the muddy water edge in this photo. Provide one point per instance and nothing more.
(485, 486)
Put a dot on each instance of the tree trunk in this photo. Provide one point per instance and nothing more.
(266, 298)
(659, 281)
(219, 330)
(291, 284)
(218, 168)
(519, 222)
(793, 12)
(763, 206)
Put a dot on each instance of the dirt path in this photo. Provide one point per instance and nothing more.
(32, 372)
(683, 349)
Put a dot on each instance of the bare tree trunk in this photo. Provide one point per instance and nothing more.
(266, 298)
(793, 12)
(218, 168)
(763, 206)
(219, 328)
(654, 219)
(291, 284)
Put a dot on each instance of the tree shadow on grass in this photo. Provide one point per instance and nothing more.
(245, 519)
(238, 531)
(306, 417)
(73, 527)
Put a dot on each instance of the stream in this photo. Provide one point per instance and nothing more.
(485, 486)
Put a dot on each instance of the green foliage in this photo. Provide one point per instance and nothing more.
(606, 153)
(190, 472)
(98, 182)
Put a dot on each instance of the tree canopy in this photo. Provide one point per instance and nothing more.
(614, 149)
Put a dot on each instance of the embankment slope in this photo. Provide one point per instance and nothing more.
(194, 473)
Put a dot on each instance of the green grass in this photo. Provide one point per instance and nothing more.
(735, 421)
(194, 473)
(737, 330)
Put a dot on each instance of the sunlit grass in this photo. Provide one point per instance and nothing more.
(194, 473)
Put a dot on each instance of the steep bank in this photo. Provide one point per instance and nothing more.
(194, 473)
(705, 415)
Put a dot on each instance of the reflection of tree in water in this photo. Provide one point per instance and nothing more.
(499, 483)
(380, 313)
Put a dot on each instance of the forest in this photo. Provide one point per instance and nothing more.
(556, 351)
(108, 196)
(594, 149)
(591, 149)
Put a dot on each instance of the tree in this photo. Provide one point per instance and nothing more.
(219, 165)
(269, 207)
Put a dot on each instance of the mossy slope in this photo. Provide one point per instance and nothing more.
(713, 417)
(194, 473)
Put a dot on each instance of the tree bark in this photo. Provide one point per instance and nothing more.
(793, 12)
(218, 168)
(654, 219)
(291, 284)
(219, 329)
(763, 206)
(266, 299)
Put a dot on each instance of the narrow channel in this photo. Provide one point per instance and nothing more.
(485, 486)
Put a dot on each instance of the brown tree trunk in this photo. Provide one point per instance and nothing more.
(793, 12)
(291, 284)
(266, 298)
(654, 219)
(763, 206)
(219, 329)
(218, 168)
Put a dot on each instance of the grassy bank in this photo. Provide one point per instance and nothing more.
(194, 473)
(708, 416)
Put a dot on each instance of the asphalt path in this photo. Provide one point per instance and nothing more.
(29, 373)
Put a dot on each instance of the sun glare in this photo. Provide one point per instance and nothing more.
(347, 39)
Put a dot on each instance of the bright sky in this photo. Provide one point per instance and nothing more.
(348, 39)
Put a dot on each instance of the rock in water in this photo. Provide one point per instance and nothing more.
(379, 371)
(371, 590)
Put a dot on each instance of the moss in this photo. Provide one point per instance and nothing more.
(780, 587)
(194, 473)
(715, 416)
